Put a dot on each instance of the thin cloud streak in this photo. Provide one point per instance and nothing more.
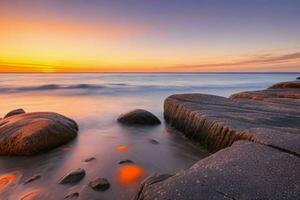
(259, 60)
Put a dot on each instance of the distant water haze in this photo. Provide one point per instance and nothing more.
(95, 101)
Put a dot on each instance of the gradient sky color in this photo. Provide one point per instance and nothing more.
(149, 35)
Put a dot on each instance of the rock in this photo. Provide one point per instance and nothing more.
(89, 159)
(245, 170)
(99, 184)
(15, 112)
(125, 162)
(33, 133)
(298, 78)
(33, 178)
(73, 176)
(216, 122)
(288, 84)
(290, 93)
(72, 195)
(152, 141)
(290, 90)
(139, 117)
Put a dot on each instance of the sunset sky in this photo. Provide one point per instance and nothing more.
(149, 35)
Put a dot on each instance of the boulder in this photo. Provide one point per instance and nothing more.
(15, 112)
(99, 184)
(288, 84)
(73, 176)
(33, 133)
(139, 117)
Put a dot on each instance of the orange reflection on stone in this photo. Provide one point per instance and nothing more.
(29, 196)
(130, 173)
(6, 179)
(122, 148)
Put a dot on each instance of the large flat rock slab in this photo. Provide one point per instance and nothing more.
(290, 90)
(217, 122)
(33, 133)
(245, 170)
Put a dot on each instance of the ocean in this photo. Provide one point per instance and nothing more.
(95, 101)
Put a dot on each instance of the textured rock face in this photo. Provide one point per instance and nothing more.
(269, 93)
(260, 142)
(139, 117)
(32, 133)
(290, 90)
(217, 122)
(15, 112)
(245, 170)
(288, 84)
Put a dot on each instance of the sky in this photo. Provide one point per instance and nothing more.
(149, 36)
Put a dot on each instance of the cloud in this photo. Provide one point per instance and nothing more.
(256, 60)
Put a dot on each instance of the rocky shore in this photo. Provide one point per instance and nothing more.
(256, 140)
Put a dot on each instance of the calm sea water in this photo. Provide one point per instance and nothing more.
(95, 101)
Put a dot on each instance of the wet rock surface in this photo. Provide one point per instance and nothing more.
(89, 159)
(216, 122)
(127, 161)
(73, 176)
(33, 178)
(287, 84)
(245, 170)
(33, 133)
(139, 117)
(289, 90)
(14, 112)
(72, 195)
(258, 134)
(100, 184)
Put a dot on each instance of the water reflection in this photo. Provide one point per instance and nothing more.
(130, 173)
(30, 196)
(121, 148)
(6, 180)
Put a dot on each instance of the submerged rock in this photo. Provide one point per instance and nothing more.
(33, 178)
(125, 161)
(99, 184)
(72, 195)
(152, 141)
(15, 112)
(33, 133)
(139, 116)
(73, 176)
(89, 159)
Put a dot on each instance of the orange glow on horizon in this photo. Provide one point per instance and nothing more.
(129, 174)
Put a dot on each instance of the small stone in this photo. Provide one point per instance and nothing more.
(152, 141)
(73, 176)
(72, 195)
(15, 112)
(89, 159)
(99, 184)
(33, 178)
(125, 161)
